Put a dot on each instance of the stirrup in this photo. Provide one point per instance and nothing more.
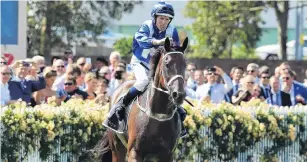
(112, 122)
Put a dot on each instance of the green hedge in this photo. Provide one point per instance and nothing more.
(220, 131)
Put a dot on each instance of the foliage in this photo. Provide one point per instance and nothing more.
(57, 23)
(215, 131)
(220, 25)
(124, 46)
(48, 125)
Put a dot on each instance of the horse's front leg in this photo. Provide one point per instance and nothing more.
(135, 156)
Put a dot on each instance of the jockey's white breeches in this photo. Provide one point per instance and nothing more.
(140, 73)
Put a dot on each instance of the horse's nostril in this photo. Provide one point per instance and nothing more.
(175, 94)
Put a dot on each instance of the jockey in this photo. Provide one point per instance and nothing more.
(150, 35)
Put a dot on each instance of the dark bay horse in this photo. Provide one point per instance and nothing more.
(153, 123)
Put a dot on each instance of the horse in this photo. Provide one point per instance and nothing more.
(154, 126)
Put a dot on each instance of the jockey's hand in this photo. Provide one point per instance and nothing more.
(161, 41)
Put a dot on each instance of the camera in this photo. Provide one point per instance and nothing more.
(118, 75)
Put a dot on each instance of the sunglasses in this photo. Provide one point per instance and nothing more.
(265, 77)
(250, 82)
(286, 78)
(191, 70)
(250, 71)
(82, 64)
(5, 73)
(3, 63)
(68, 83)
(60, 66)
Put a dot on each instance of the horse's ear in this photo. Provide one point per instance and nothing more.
(185, 44)
(167, 44)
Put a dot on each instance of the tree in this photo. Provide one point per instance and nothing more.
(218, 26)
(124, 46)
(282, 13)
(60, 23)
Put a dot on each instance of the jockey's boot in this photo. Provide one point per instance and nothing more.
(182, 114)
(117, 116)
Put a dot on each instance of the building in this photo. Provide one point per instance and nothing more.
(14, 29)
(130, 23)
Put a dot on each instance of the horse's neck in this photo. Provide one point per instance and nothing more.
(160, 102)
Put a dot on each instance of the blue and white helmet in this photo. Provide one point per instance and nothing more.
(163, 9)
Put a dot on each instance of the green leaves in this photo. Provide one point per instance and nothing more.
(50, 23)
(124, 46)
(219, 26)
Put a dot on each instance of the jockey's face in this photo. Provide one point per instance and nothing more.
(162, 22)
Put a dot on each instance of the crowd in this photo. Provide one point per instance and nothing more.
(32, 81)
(275, 86)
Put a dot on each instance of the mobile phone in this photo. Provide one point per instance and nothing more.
(88, 60)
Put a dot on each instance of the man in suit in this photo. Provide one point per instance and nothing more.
(20, 87)
(236, 75)
(265, 84)
(276, 96)
(297, 91)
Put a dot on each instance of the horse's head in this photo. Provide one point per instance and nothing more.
(170, 70)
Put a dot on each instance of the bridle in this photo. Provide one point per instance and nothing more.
(162, 117)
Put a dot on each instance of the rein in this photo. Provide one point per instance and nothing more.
(161, 117)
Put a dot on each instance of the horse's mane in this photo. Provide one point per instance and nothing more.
(154, 61)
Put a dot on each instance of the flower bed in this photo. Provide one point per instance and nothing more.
(215, 132)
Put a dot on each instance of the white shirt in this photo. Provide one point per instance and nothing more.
(5, 94)
(190, 92)
(218, 90)
(58, 83)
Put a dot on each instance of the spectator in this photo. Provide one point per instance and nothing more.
(253, 69)
(5, 97)
(68, 57)
(119, 76)
(91, 85)
(213, 91)
(105, 73)
(236, 75)
(42, 95)
(59, 66)
(191, 83)
(298, 92)
(102, 91)
(264, 69)
(199, 78)
(53, 59)
(278, 97)
(114, 57)
(100, 62)
(256, 93)
(21, 87)
(246, 90)
(81, 62)
(3, 61)
(71, 69)
(265, 84)
(40, 63)
(70, 90)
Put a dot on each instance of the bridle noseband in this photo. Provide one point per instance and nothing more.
(162, 117)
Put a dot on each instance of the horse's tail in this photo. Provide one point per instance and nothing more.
(102, 149)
